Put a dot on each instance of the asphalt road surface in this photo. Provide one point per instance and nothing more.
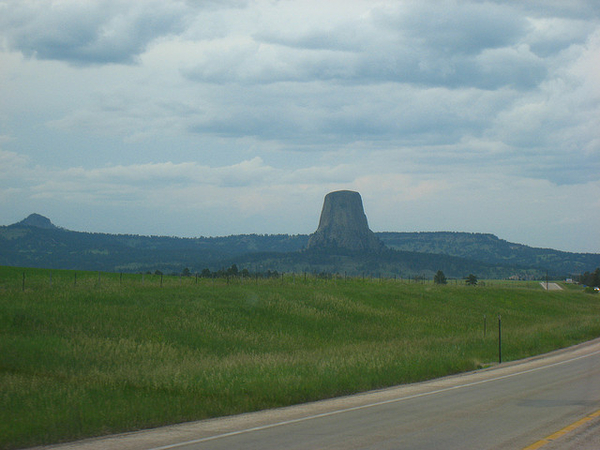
(551, 286)
(550, 402)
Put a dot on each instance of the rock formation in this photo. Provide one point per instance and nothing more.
(343, 225)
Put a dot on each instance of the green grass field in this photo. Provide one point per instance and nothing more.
(85, 354)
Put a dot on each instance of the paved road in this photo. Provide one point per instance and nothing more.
(511, 406)
(551, 286)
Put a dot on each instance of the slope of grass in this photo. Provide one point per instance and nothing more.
(84, 354)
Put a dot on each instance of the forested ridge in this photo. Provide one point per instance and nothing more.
(406, 253)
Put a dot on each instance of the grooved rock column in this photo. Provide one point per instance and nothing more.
(343, 225)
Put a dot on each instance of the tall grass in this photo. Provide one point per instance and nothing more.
(107, 353)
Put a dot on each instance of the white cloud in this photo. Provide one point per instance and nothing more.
(145, 179)
(551, 35)
(508, 206)
(555, 126)
(11, 163)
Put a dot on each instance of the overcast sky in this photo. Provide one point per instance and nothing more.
(211, 118)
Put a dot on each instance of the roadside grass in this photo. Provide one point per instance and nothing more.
(85, 354)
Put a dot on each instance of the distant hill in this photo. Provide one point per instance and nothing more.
(27, 244)
(492, 250)
(36, 242)
(37, 221)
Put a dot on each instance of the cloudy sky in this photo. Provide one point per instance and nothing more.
(211, 118)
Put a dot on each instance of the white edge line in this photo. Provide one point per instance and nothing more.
(367, 406)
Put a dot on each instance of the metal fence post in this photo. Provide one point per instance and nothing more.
(499, 339)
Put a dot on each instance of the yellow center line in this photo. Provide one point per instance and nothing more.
(561, 433)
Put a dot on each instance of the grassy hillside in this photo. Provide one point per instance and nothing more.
(84, 354)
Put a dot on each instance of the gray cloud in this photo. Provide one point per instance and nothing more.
(573, 9)
(432, 107)
(550, 36)
(86, 32)
(450, 27)
(423, 43)
(98, 32)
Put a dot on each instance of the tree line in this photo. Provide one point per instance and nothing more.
(591, 279)
(231, 272)
(234, 272)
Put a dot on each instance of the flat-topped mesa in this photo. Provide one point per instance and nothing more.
(343, 225)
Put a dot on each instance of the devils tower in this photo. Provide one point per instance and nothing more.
(343, 225)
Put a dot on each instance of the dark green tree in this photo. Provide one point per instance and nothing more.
(591, 279)
(440, 278)
(471, 280)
